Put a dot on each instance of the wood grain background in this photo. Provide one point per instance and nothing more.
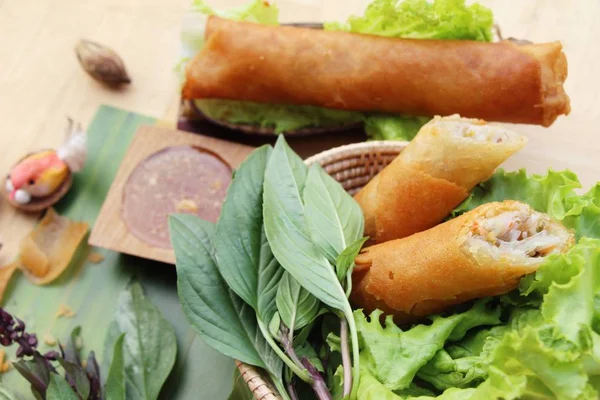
(41, 82)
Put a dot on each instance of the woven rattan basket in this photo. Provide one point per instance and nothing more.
(353, 166)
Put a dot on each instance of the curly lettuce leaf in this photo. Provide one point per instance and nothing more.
(554, 194)
(585, 220)
(394, 356)
(444, 372)
(257, 11)
(421, 19)
(393, 127)
(279, 117)
(544, 369)
(371, 389)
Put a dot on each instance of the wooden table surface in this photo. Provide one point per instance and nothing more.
(41, 82)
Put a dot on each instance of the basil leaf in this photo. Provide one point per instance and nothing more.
(243, 254)
(288, 232)
(59, 389)
(149, 346)
(93, 372)
(274, 325)
(334, 218)
(77, 377)
(290, 238)
(297, 307)
(345, 260)
(217, 314)
(36, 372)
(114, 389)
(71, 349)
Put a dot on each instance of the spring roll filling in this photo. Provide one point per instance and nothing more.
(479, 131)
(520, 236)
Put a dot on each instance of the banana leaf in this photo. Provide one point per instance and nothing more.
(91, 290)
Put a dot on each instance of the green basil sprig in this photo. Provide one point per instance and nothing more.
(282, 249)
(293, 239)
(243, 254)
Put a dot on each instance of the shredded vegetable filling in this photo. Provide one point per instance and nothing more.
(480, 133)
(515, 233)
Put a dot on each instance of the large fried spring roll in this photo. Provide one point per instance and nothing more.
(481, 253)
(433, 175)
(289, 65)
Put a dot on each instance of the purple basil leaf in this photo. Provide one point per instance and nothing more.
(93, 372)
(71, 352)
(36, 394)
(34, 374)
(77, 378)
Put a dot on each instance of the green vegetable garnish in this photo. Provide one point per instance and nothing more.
(139, 354)
(546, 343)
(422, 19)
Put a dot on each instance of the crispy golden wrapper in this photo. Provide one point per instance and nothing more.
(433, 175)
(484, 252)
(290, 65)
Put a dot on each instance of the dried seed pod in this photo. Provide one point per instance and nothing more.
(102, 63)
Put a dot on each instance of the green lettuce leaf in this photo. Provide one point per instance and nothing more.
(554, 193)
(586, 222)
(279, 117)
(393, 127)
(545, 369)
(371, 389)
(547, 344)
(257, 11)
(421, 19)
(394, 356)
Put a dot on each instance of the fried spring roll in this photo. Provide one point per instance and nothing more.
(433, 175)
(289, 65)
(481, 253)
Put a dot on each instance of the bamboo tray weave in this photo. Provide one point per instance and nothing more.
(353, 166)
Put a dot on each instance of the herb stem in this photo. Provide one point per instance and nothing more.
(349, 283)
(319, 386)
(288, 346)
(354, 336)
(300, 373)
(346, 362)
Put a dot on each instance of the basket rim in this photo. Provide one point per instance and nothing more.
(354, 149)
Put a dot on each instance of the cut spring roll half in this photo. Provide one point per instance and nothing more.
(433, 175)
(484, 252)
(356, 72)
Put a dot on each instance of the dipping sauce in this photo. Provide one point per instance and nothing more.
(181, 179)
